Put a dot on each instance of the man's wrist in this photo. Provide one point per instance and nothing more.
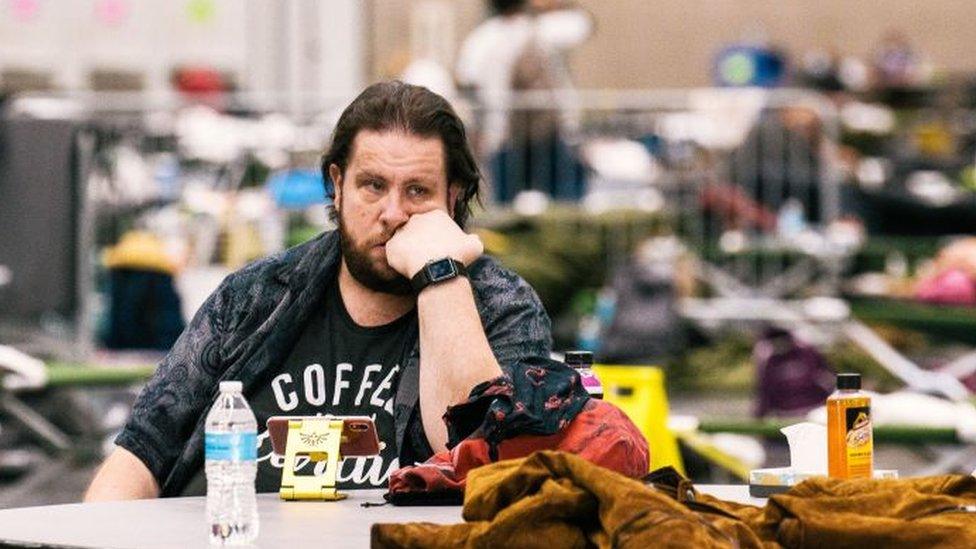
(414, 268)
(448, 297)
(437, 271)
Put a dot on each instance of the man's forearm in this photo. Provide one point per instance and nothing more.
(454, 353)
(122, 476)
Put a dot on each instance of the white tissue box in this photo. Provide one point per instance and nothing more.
(766, 482)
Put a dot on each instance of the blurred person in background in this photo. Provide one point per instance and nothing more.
(524, 47)
(897, 63)
(337, 325)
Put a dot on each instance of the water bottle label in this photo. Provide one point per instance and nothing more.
(231, 446)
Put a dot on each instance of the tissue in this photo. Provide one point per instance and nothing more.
(808, 447)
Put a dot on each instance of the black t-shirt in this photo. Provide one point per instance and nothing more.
(340, 368)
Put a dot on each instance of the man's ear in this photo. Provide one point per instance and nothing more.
(453, 191)
(335, 174)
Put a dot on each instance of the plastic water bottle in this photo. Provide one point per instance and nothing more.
(231, 465)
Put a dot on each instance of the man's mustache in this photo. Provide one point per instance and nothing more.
(381, 240)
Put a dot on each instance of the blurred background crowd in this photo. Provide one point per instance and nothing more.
(749, 195)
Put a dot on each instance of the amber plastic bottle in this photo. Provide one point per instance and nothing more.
(850, 440)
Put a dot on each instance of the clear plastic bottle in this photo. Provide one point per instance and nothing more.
(231, 465)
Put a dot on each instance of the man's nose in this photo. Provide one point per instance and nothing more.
(393, 214)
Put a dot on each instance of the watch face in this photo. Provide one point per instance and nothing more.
(441, 270)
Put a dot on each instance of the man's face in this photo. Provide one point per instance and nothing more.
(390, 176)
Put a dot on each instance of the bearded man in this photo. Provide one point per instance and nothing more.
(396, 315)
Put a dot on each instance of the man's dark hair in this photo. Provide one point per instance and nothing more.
(506, 7)
(415, 110)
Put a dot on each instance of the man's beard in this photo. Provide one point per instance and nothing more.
(361, 267)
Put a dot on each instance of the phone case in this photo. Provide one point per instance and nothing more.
(359, 436)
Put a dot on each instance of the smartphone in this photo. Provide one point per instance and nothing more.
(359, 436)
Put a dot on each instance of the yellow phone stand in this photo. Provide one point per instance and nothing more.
(319, 439)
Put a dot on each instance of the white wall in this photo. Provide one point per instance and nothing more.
(305, 49)
(305, 45)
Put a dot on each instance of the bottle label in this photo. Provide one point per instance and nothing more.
(231, 446)
(590, 382)
(859, 446)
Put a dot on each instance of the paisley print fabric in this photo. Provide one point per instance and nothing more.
(594, 430)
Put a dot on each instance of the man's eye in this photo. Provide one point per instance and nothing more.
(375, 185)
(417, 191)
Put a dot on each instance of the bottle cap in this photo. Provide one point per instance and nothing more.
(849, 381)
(579, 358)
(231, 386)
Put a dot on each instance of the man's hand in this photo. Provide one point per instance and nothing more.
(429, 236)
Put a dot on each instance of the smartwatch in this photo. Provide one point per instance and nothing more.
(437, 270)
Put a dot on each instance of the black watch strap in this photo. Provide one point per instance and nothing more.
(436, 271)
